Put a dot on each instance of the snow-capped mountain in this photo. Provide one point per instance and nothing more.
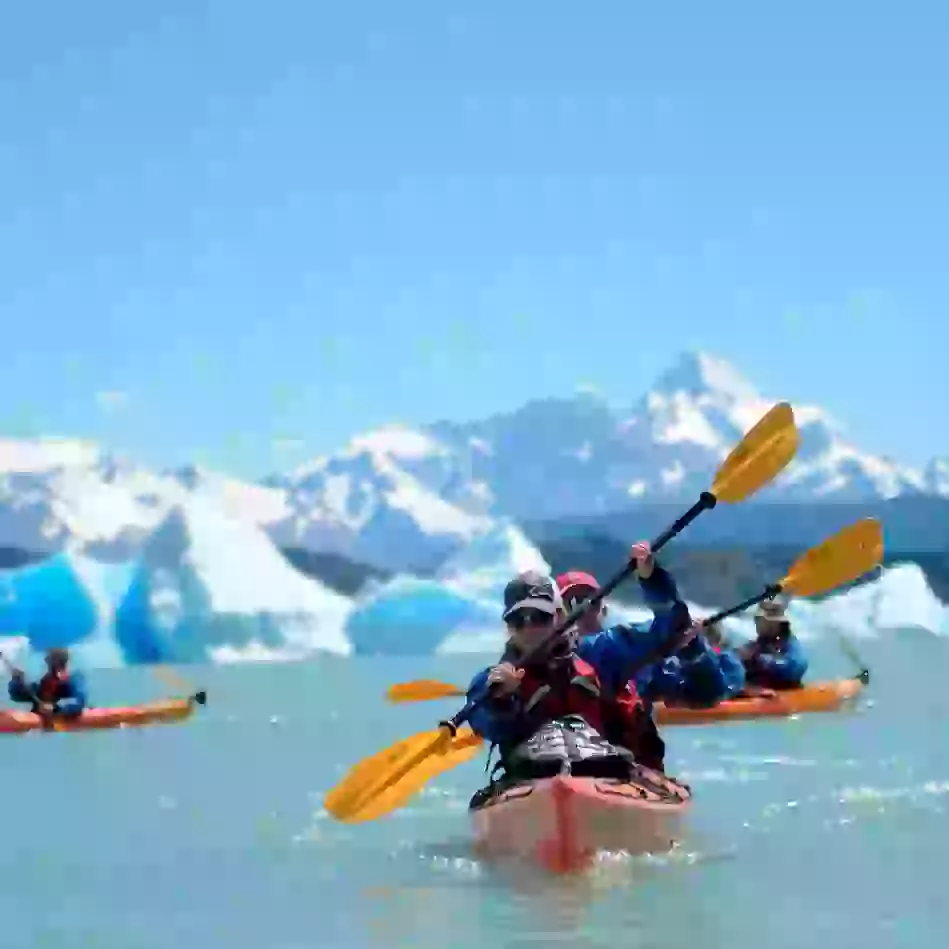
(390, 498)
(580, 456)
(561, 458)
(407, 499)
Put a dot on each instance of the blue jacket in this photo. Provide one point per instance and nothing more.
(71, 697)
(696, 675)
(778, 670)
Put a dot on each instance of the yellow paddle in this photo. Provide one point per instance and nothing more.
(842, 558)
(422, 690)
(464, 746)
(761, 455)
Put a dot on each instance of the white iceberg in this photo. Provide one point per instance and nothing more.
(207, 581)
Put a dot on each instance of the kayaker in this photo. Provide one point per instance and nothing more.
(776, 659)
(728, 659)
(697, 674)
(59, 692)
(586, 676)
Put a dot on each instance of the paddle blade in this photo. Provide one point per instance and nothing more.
(841, 559)
(360, 776)
(759, 457)
(422, 690)
(464, 747)
(368, 779)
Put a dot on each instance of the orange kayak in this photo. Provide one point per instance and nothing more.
(560, 823)
(820, 697)
(14, 722)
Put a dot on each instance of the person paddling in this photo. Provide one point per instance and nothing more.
(776, 659)
(573, 675)
(60, 692)
(694, 674)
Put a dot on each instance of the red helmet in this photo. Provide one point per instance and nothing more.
(574, 579)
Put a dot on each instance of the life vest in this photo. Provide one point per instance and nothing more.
(48, 689)
(575, 689)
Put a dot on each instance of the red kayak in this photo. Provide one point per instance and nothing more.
(561, 823)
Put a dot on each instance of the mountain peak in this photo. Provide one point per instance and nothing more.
(700, 373)
(397, 441)
(190, 476)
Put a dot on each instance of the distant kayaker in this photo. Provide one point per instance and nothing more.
(776, 659)
(59, 692)
(574, 675)
(696, 673)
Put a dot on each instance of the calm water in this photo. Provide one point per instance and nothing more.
(829, 829)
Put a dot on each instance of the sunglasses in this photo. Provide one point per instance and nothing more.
(524, 618)
(572, 600)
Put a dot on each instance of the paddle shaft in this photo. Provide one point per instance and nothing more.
(772, 590)
(849, 650)
(706, 502)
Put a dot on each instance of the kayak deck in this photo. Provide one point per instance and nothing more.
(166, 711)
(561, 823)
(827, 696)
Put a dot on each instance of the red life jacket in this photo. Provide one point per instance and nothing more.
(619, 718)
(48, 688)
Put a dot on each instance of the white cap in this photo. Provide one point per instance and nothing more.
(774, 609)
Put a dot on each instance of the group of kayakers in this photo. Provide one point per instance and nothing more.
(611, 675)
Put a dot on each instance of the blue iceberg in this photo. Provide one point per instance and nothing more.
(413, 617)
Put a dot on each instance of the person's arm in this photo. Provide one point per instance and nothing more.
(76, 702)
(703, 677)
(664, 681)
(494, 719)
(659, 589)
(19, 691)
(621, 652)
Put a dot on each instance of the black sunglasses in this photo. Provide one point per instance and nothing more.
(523, 618)
(572, 600)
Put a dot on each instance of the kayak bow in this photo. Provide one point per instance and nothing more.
(560, 824)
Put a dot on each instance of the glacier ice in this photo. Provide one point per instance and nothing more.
(208, 587)
(411, 616)
(206, 579)
(458, 607)
(900, 598)
(489, 560)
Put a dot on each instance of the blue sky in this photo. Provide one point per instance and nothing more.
(240, 233)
